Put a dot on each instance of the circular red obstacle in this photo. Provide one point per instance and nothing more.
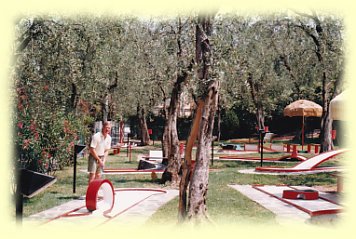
(301, 194)
(92, 194)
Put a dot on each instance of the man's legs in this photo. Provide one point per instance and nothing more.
(92, 169)
(91, 177)
(97, 175)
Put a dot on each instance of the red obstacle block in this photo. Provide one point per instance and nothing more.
(309, 148)
(293, 148)
(333, 134)
(301, 194)
(92, 194)
(294, 151)
(316, 148)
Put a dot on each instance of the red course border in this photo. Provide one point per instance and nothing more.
(311, 213)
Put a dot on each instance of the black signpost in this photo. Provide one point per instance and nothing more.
(262, 133)
(78, 148)
(212, 152)
(212, 149)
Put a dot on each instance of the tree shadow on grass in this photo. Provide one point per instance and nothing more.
(68, 197)
(137, 180)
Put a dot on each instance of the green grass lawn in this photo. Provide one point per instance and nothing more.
(225, 205)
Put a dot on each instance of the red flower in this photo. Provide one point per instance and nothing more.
(45, 154)
(20, 125)
(66, 126)
(37, 136)
(20, 106)
(26, 144)
(23, 97)
(33, 125)
(20, 90)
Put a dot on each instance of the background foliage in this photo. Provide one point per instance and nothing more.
(70, 72)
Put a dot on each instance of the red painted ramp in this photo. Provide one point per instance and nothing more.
(307, 165)
(317, 207)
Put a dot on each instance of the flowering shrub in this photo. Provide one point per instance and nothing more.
(45, 136)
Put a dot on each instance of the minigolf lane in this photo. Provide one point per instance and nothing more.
(292, 210)
(104, 205)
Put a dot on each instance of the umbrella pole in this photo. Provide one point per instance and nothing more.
(303, 134)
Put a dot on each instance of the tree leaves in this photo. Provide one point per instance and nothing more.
(60, 62)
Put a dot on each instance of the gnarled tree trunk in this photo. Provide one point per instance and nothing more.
(197, 210)
(170, 144)
(170, 139)
(141, 114)
(187, 163)
(326, 143)
(325, 135)
(199, 185)
(329, 87)
(260, 118)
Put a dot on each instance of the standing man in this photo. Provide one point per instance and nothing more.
(99, 149)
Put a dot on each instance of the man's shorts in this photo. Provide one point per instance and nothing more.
(93, 166)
